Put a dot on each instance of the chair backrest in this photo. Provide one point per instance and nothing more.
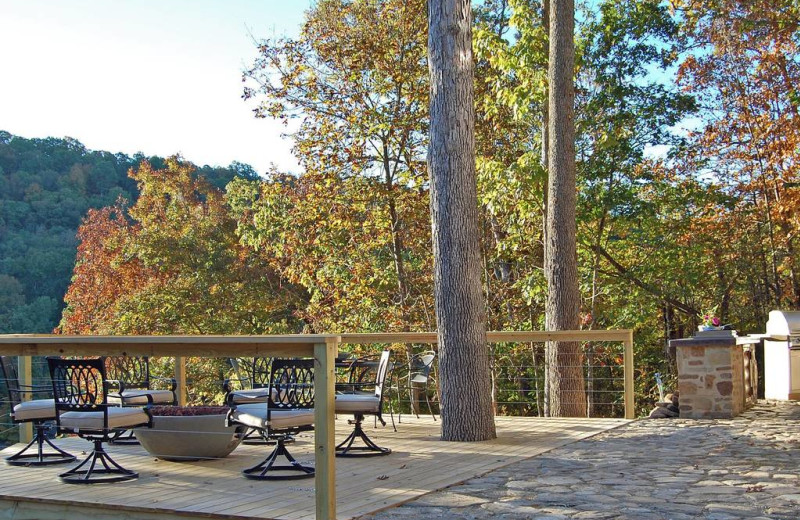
(421, 365)
(383, 370)
(79, 384)
(11, 378)
(260, 372)
(291, 383)
(251, 372)
(133, 372)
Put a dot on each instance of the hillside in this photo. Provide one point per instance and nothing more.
(46, 187)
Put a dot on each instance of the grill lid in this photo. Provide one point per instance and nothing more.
(783, 324)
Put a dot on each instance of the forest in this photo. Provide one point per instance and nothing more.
(46, 188)
(687, 133)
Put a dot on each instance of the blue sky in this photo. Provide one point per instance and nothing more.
(156, 76)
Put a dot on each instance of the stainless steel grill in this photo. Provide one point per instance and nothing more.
(782, 356)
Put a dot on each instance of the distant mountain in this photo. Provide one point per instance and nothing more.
(46, 187)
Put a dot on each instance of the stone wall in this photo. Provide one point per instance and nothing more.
(710, 377)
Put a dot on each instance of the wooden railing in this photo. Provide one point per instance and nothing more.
(323, 348)
(624, 336)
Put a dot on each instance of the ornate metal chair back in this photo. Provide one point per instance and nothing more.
(291, 384)
(260, 372)
(11, 379)
(79, 384)
(133, 372)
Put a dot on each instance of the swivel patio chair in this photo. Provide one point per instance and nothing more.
(39, 412)
(130, 377)
(134, 383)
(289, 409)
(360, 402)
(252, 380)
(81, 393)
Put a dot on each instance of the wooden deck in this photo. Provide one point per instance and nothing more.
(420, 463)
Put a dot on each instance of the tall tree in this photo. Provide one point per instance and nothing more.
(567, 397)
(744, 69)
(356, 78)
(467, 413)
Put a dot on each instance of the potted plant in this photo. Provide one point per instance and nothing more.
(185, 433)
(710, 321)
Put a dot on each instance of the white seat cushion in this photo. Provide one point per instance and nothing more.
(36, 409)
(139, 397)
(357, 403)
(252, 395)
(255, 416)
(118, 417)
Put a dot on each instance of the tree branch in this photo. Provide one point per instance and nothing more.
(655, 291)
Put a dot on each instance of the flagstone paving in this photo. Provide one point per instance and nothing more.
(651, 469)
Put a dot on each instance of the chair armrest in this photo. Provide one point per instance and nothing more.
(35, 388)
(118, 383)
(28, 389)
(123, 400)
(354, 386)
(230, 397)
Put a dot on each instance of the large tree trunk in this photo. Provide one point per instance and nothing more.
(567, 397)
(466, 406)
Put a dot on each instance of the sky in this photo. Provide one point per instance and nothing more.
(154, 76)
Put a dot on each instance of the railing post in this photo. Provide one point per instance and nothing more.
(630, 405)
(180, 380)
(25, 378)
(325, 477)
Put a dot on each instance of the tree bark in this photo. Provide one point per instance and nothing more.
(545, 150)
(567, 394)
(466, 406)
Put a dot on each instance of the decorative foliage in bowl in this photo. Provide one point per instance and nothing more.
(187, 411)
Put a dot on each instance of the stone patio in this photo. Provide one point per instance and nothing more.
(678, 469)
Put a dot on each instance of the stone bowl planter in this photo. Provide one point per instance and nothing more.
(189, 433)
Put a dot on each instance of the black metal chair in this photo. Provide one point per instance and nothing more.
(359, 402)
(420, 374)
(288, 410)
(251, 385)
(36, 411)
(81, 393)
(130, 377)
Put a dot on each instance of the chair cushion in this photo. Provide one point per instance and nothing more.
(252, 395)
(118, 417)
(255, 416)
(139, 397)
(357, 403)
(36, 409)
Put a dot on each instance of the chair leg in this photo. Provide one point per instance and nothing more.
(253, 437)
(262, 470)
(427, 400)
(369, 449)
(391, 415)
(111, 472)
(40, 458)
(125, 438)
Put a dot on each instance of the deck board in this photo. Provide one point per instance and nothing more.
(419, 463)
